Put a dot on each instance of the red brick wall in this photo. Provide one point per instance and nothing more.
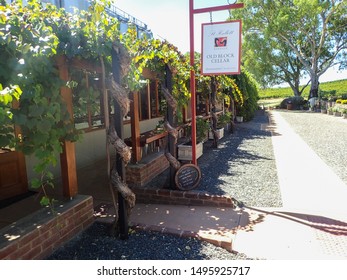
(177, 197)
(39, 234)
(139, 174)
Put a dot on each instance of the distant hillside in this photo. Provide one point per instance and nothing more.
(340, 86)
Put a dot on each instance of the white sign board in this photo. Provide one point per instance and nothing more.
(221, 48)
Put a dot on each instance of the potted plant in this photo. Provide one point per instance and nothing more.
(337, 112)
(225, 120)
(239, 118)
(240, 112)
(344, 113)
(223, 123)
(323, 108)
(185, 149)
(159, 128)
(202, 127)
(330, 111)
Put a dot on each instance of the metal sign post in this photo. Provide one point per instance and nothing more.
(192, 12)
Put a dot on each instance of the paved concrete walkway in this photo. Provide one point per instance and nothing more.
(306, 182)
(312, 224)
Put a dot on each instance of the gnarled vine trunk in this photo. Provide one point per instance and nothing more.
(123, 198)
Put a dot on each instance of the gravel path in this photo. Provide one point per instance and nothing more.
(95, 243)
(243, 166)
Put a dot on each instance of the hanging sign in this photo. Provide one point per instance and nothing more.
(221, 48)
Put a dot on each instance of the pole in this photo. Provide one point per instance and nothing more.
(192, 80)
(192, 11)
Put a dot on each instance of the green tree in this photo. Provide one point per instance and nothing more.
(271, 61)
(313, 30)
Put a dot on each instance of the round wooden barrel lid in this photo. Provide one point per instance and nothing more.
(187, 177)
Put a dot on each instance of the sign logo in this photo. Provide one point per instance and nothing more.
(220, 42)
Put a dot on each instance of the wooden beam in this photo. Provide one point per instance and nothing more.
(135, 126)
(148, 102)
(67, 157)
(85, 65)
(156, 88)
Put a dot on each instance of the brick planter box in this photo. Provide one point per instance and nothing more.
(139, 174)
(39, 234)
(177, 197)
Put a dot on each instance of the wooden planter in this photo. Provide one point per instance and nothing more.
(239, 119)
(337, 114)
(185, 151)
(219, 131)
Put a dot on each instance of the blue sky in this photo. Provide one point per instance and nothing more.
(169, 19)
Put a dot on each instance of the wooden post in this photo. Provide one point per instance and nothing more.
(156, 98)
(135, 126)
(67, 157)
(118, 123)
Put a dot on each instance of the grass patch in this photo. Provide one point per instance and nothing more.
(339, 86)
(272, 102)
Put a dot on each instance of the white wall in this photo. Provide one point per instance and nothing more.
(90, 149)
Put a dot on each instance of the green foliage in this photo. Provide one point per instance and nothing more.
(7, 96)
(224, 119)
(298, 102)
(282, 38)
(31, 37)
(228, 86)
(202, 127)
(156, 56)
(249, 89)
(275, 93)
(334, 88)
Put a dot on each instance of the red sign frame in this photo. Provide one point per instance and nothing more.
(193, 12)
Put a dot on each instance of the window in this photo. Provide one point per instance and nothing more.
(87, 100)
(151, 102)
